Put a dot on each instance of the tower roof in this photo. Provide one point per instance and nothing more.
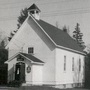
(33, 7)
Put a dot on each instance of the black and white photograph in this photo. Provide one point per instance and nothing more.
(44, 44)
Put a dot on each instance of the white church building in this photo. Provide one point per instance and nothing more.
(42, 54)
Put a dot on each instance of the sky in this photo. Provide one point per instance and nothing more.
(62, 12)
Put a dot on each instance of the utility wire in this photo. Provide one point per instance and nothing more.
(55, 13)
(66, 13)
(52, 14)
(26, 3)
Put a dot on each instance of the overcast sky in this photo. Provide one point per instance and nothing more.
(64, 12)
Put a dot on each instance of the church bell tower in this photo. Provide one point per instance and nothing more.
(34, 11)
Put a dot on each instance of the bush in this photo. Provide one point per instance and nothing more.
(14, 83)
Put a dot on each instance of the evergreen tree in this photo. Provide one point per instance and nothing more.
(11, 35)
(21, 19)
(77, 35)
(3, 53)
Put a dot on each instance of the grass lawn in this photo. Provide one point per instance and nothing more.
(40, 88)
(33, 88)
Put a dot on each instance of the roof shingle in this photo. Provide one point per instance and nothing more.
(32, 58)
(60, 37)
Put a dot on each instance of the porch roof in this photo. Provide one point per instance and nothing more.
(31, 57)
(27, 56)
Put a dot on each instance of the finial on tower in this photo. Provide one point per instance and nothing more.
(35, 11)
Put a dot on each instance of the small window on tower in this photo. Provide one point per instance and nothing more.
(32, 12)
(36, 11)
(31, 50)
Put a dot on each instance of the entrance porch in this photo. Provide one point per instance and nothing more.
(27, 69)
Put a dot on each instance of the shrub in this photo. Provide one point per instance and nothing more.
(14, 83)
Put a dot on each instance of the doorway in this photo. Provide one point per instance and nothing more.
(20, 72)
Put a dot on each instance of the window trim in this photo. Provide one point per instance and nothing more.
(64, 63)
(31, 51)
(79, 64)
(72, 63)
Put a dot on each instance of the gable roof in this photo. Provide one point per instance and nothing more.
(60, 37)
(32, 58)
(33, 7)
(27, 56)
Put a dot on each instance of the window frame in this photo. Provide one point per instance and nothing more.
(64, 68)
(31, 51)
(72, 63)
(79, 64)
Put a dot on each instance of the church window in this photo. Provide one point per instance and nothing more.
(64, 63)
(30, 50)
(73, 64)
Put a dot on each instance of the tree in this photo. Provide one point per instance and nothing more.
(21, 19)
(87, 71)
(77, 35)
(3, 53)
(12, 34)
(65, 29)
(2, 44)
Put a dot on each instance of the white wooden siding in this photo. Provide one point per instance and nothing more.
(68, 76)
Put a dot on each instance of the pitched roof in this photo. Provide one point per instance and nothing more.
(27, 56)
(33, 7)
(32, 58)
(60, 37)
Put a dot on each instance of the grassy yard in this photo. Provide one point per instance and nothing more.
(41, 88)
(34, 88)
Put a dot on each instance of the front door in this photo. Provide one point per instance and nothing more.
(20, 72)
